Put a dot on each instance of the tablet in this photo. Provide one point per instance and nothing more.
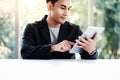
(90, 31)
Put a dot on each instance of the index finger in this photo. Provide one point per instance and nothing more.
(71, 43)
(87, 38)
(95, 37)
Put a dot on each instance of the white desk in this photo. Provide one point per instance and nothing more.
(18, 69)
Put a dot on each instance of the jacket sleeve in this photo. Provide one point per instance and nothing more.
(85, 55)
(29, 49)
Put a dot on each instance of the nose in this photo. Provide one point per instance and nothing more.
(66, 12)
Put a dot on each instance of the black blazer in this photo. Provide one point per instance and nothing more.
(36, 41)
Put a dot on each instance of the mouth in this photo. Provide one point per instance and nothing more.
(64, 18)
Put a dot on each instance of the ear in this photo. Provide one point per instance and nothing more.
(49, 6)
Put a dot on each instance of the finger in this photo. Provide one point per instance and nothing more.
(66, 45)
(83, 40)
(79, 43)
(79, 37)
(71, 43)
(88, 38)
(95, 37)
(79, 46)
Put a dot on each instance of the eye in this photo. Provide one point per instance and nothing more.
(69, 9)
(62, 7)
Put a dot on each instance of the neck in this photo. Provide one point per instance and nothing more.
(52, 23)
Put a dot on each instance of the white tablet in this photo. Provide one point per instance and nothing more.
(90, 31)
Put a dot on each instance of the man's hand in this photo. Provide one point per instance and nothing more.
(87, 43)
(62, 46)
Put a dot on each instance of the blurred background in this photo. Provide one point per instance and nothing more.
(16, 14)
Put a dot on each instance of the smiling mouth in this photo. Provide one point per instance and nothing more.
(64, 18)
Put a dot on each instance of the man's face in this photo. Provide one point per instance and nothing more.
(60, 10)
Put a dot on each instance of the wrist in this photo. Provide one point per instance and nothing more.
(92, 52)
(52, 48)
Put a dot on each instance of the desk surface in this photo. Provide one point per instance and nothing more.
(18, 69)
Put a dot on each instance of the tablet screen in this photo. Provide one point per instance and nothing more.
(90, 31)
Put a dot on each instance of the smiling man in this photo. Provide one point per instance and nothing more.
(53, 36)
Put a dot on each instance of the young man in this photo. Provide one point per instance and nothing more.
(52, 37)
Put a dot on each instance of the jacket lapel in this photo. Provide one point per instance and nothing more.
(45, 30)
(62, 33)
(46, 34)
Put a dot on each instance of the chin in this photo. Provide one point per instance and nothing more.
(62, 22)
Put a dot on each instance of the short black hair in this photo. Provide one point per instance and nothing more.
(52, 1)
